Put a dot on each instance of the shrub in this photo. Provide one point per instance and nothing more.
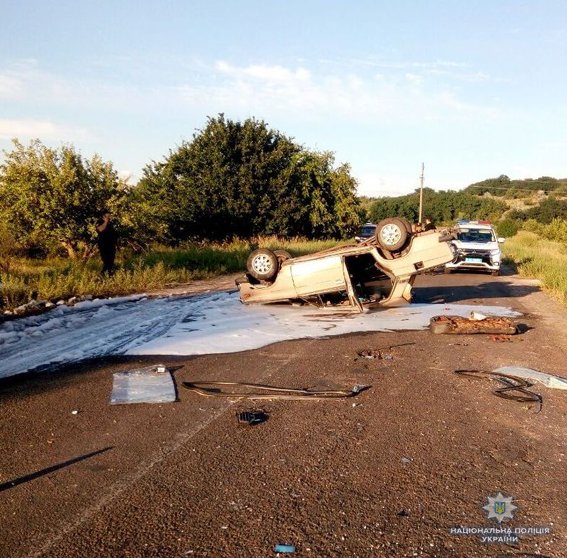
(507, 228)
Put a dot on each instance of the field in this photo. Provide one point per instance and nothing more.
(543, 259)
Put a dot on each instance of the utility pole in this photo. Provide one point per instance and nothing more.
(421, 194)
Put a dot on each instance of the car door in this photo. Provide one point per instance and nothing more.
(319, 275)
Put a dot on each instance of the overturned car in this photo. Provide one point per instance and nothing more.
(378, 271)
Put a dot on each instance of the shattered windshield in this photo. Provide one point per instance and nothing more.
(475, 235)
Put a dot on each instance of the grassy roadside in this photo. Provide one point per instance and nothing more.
(161, 267)
(543, 259)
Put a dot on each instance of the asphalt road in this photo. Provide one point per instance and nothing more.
(387, 473)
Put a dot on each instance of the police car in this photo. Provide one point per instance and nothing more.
(477, 247)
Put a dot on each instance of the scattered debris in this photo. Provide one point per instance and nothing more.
(403, 513)
(501, 338)
(406, 460)
(370, 354)
(379, 354)
(284, 548)
(514, 387)
(477, 316)
(258, 391)
(152, 384)
(75, 412)
(252, 417)
(549, 380)
(459, 325)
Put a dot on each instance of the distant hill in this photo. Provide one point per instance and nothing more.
(542, 199)
(503, 186)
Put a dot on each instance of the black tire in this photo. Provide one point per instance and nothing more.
(262, 264)
(406, 223)
(392, 234)
(282, 255)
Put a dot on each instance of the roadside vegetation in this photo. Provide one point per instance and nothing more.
(200, 210)
(536, 256)
(58, 278)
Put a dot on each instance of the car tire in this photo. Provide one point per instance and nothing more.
(406, 223)
(262, 264)
(282, 255)
(392, 234)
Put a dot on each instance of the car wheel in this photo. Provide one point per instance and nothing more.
(262, 264)
(391, 234)
(406, 223)
(282, 255)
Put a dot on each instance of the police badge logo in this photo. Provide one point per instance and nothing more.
(500, 507)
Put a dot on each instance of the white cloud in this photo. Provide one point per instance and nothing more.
(43, 129)
(10, 87)
(275, 89)
(266, 73)
(265, 90)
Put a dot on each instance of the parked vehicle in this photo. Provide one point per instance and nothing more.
(368, 230)
(477, 247)
(378, 271)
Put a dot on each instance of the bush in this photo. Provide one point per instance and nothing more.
(507, 228)
(556, 230)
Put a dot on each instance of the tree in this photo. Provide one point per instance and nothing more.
(54, 196)
(245, 179)
(545, 212)
(442, 207)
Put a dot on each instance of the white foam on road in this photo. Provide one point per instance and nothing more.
(204, 324)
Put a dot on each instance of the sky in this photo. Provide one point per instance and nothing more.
(471, 89)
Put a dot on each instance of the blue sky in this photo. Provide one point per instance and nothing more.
(472, 89)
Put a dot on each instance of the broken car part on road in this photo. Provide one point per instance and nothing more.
(378, 271)
(252, 417)
(514, 387)
(152, 384)
(459, 325)
(263, 391)
(549, 380)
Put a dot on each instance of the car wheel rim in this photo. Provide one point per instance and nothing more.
(262, 264)
(390, 234)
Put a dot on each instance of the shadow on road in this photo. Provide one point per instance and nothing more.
(467, 292)
(47, 470)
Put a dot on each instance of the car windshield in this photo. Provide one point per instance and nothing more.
(476, 236)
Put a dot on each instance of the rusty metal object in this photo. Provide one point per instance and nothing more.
(460, 325)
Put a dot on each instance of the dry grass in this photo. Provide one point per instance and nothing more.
(161, 267)
(543, 259)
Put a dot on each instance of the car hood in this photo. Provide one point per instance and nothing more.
(476, 245)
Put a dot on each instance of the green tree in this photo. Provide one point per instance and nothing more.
(244, 179)
(442, 207)
(545, 212)
(53, 196)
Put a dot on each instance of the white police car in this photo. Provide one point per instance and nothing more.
(477, 247)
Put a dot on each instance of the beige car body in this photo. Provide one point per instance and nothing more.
(385, 280)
